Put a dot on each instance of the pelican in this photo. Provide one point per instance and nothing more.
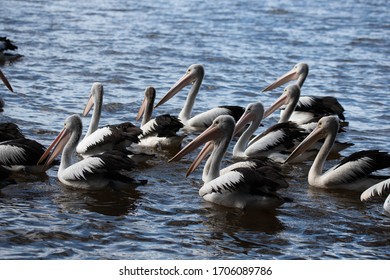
(352, 173)
(93, 173)
(8, 85)
(380, 189)
(107, 138)
(161, 132)
(308, 107)
(200, 122)
(237, 188)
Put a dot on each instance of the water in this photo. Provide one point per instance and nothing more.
(244, 45)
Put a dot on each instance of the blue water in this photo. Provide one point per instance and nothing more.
(244, 45)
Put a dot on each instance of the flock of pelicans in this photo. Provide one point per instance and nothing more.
(307, 129)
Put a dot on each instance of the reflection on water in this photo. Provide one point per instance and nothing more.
(107, 202)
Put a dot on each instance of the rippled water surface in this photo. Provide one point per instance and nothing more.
(244, 45)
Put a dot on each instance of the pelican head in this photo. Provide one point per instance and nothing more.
(253, 112)
(95, 97)
(72, 125)
(325, 126)
(149, 96)
(195, 73)
(299, 72)
(220, 131)
(290, 96)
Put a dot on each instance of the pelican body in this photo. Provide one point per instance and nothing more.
(352, 173)
(93, 173)
(200, 122)
(241, 187)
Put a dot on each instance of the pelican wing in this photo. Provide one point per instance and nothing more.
(162, 126)
(246, 180)
(361, 164)
(226, 183)
(282, 136)
(107, 137)
(104, 164)
(20, 152)
(205, 119)
(381, 189)
(320, 106)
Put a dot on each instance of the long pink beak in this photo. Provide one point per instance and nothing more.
(5, 81)
(141, 109)
(89, 105)
(289, 76)
(57, 147)
(277, 104)
(209, 134)
(245, 118)
(309, 141)
(179, 85)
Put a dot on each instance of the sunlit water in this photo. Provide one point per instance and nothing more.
(244, 45)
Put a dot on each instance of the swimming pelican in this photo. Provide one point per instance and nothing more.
(308, 107)
(240, 187)
(352, 173)
(95, 172)
(107, 138)
(8, 85)
(200, 122)
(380, 189)
(161, 132)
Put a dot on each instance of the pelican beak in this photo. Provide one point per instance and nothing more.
(57, 146)
(309, 141)
(289, 76)
(179, 85)
(245, 118)
(206, 150)
(89, 105)
(209, 134)
(141, 109)
(5, 81)
(277, 104)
